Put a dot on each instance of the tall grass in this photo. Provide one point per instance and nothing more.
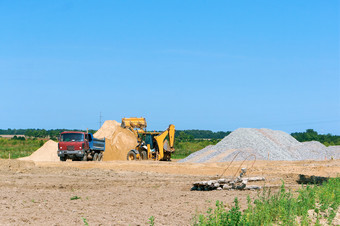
(310, 205)
(185, 148)
(18, 148)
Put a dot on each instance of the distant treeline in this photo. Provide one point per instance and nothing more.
(38, 133)
(187, 135)
(310, 134)
(54, 133)
(12, 131)
(181, 135)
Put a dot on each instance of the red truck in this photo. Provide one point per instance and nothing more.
(80, 146)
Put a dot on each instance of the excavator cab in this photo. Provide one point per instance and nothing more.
(149, 140)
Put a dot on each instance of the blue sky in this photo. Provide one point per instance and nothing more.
(216, 65)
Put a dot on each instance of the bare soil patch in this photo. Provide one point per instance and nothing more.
(128, 193)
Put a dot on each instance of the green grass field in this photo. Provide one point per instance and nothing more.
(312, 205)
(21, 148)
(18, 148)
(185, 148)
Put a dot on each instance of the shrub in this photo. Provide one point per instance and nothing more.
(279, 208)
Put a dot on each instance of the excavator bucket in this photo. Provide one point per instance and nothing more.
(134, 123)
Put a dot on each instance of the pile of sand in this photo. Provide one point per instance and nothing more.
(118, 141)
(107, 130)
(47, 152)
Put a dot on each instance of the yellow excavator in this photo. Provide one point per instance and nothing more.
(151, 145)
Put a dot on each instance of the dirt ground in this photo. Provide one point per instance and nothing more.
(128, 193)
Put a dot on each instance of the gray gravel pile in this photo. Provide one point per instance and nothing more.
(334, 152)
(309, 150)
(265, 144)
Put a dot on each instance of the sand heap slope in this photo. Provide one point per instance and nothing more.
(118, 141)
(265, 144)
(107, 130)
(47, 152)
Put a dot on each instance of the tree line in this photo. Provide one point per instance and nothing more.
(195, 134)
(181, 135)
(202, 134)
(310, 134)
(38, 133)
(52, 133)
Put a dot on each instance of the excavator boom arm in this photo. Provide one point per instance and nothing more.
(170, 132)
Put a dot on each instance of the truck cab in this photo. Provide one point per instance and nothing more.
(80, 146)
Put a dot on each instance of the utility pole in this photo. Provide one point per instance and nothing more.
(100, 119)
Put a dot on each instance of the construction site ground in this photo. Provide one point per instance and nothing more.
(128, 193)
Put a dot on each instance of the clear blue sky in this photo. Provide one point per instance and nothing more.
(216, 65)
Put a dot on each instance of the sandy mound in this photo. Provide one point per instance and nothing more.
(118, 141)
(47, 152)
(107, 130)
(119, 145)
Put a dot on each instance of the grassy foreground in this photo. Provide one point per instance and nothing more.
(313, 205)
(18, 147)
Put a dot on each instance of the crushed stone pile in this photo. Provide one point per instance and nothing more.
(265, 144)
(118, 141)
(47, 152)
(334, 151)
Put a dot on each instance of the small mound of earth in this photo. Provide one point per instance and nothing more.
(47, 152)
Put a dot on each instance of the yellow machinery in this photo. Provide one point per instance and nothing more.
(136, 125)
(151, 145)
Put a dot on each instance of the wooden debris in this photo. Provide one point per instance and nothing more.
(239, 183)
(252, 187)
(250, 179)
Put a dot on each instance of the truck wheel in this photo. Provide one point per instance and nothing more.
(95, 157)
(85, 157)
(100, 157)
(131, 155)
(144, 155)
(63, 159)
(167, 156)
